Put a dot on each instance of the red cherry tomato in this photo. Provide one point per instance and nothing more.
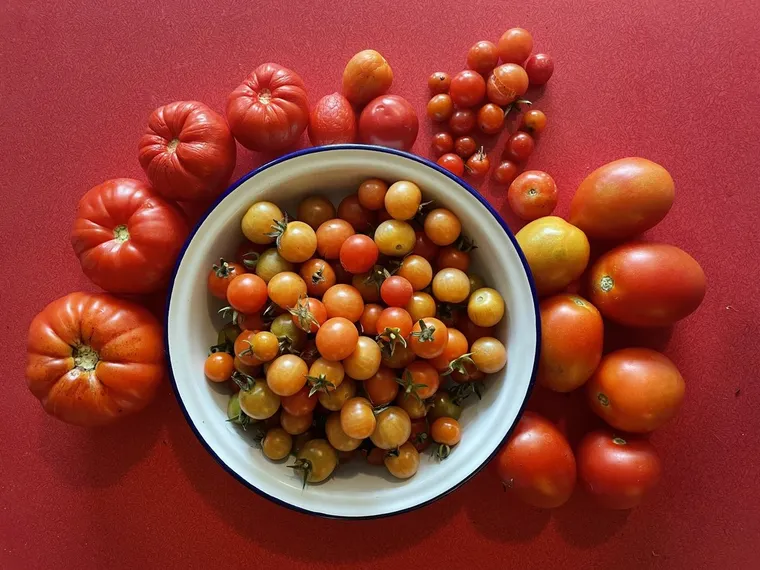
(478, 164)
(505, 172)
(351, 210)
(483, 57)
(462, 121)
(507, 83)
(396, 291)
(490, 118)
(468, 88)
(358, 253)
(439, 82)
(532, 195)
(442, 143)
(519, 147)
(515, 45)
(533, 122)
(332, 121)
(465, 147)
(424, 247)
(539, 68)
(440, 108)
(452, 163)
(389, 120)
(220, 276)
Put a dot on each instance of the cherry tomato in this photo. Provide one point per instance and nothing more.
(220, 276)
(308, 314)
(443, 406)
(367, 285)
(421, 305)
(439, 82)
(505, 172)
(539, 68)
(389, 121)
(337, 338)
(394, 325)
(488, 354)
(420, 379)
(429, 337)
(254, 348)
(403, 199)
(315, 210)
(248, 254)
(330, 237)
(270, 263)
(451, 256)
(476, 281)
(218, 367)
(483, 57)
(402, 356)
(462, 121)
(371, 194)
(440, 108)
(286, 375)
(453, 163)
(358, 254)
(285, 289)
(537, 463)
(424, 247)
(442, 226)
(451, 285)
(318, 276)
(392, 429)
(519, 147)
(533, 122)
(420, 434)
(442, 143)
(247, 293)
(316, 461)
(276, 444)
(532, 195)
(456, 346)
(490, 118)
(295, 425)
(636, 390)
(376, 456)
(617, 472)
(337, 437)
(404, 462)
(465, 147)
(382, 216)
(446, 431)
(259, 401)
(414, 407)
(333, 400)
(396, 291)
(300, 403)
(357, 418)
(325, 375)
(257, 222)
(369, 318)
(417, 270)
(478, 164)
(364, 361)
(506, 83)
(467, 89)
(290, 336)
(332, 121)
(382, 387)
(395, 238)
(351, 210)
(366, 76)
(343, 301)
(515, 45)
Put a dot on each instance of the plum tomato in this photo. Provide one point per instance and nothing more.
(220, 276)
(442, 226)
(429, 337)
(351, 210)
(332, 121)
(336, 338)
(315, 210)
(506, 83)
(532, 195)
(465, 146)
(366, 76)
(439, 82)
(490, 119)
(478, 164)
(389, 120)
(371, 194)
(395, 238)
(485, 307)
(539, 68)
(482, 57)
(318, 275)
(533, 122)
(440, 108)
(515, 45)
(358, 253)
(247, 293)
(396, 291)
(505, 172)
(519, 147)
(467, 89)
(453, 163)
(442, 143)
(330, 237)
(462, 121)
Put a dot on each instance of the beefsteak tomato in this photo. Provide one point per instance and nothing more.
(187, 151)
(127, 237)
(93, 358)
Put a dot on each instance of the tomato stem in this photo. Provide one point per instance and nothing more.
(121, 233)
(85, 358)
(172, 146)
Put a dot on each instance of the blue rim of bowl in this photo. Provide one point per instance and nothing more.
(384, 150)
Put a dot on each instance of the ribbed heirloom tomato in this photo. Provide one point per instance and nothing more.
(93, 358)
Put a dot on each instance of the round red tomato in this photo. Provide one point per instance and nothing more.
(389, 120)
(617, 472)
(532, 195)
(537, 463)
(93, 358)
(467, 88)
(127, 237)
(187, 151)
(539, 68)
(332, 121)
(269, 110)
(358, 253)
(646, 284)
(636, 390)
(452, 162)
(506, 83)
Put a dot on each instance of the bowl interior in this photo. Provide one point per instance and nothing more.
(356, 489)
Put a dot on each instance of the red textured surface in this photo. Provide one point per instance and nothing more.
(676, 82)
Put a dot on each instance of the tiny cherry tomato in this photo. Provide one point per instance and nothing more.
(331, 235)
(316, 461)
(414, 407)
(467, 88)
(532, 195)
(505, 172)
(442, 143)
(402, 356)
(446, 431)
(451, 256)
(395, 238)
(465, 147)
(247, 293)
(440, 108)
(315, 210)
(358, 253)
(218, 367)
(259, 401)
(429, 337)
(506, 83)
(300, 403)
(533, 122)
(351, 210)
(371, 193)
(248, 253)
(396, 291)
(393, 326)
(393, 428)
(333, 400)
(483, 57)
(490, 118)
(364, 361)
(403, 199)
(453, 163)
(488, 354)
(478, 164)
(424, 247)
(515, 45)
(456, 346)
(539, 68)
(308, 314)
(442, 226)
(451, 285)
(318, 275)
(485, 307)
(270, 263)
(421, 305)
(342, 277)
(366, 284)
(369, 318)
(439, 82)
(277, 444)
(382, 387)
(336, 338)
(343, 301)
(325, 376)
(296, 241)
(403, 462)
(257, 222)
(443, 406)
(357, 418)
(220, 275)
(462, 121)
(417, 270)
(519, 147)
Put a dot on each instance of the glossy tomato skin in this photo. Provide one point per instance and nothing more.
(646, 284)
(532, 195)
(93, 358)
(332, 121)
(269, 110)
(537, 463)
(572, 335)
(127, 237)
(539, 68)
(616, 471)
(622, 199)
(636, 390)
(389, 120)
(187, 151)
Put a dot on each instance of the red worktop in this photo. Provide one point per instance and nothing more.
(676, 82)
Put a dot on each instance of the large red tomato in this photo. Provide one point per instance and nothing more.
(332, 121)
(622, 199)
(93, 358)
(270, 109)
(127, 237)
(617, 472)
(636, 389)
(187, 151)
(646, 284)
(572, 335)
(537, 463)
(389, 120)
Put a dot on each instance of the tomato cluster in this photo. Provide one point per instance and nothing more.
(483, 96)
(356, 327)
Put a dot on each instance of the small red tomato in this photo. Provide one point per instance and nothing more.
(506, 172)
(439, 82)
(478, 164)
(424, 247)
(468, 88)
(358, 253)
(351, 210)
(539, 68)
(533, 122)
(396, 291)
(483, 57)
(452, 163)
(442, 143)
(462, 121)
(515, 45)
(440, 108)
(532, 195)
(519, 147)
(389, 120)
(332, 121)
(507, 83)
(220, 276)
(490, 118)
(465, 147)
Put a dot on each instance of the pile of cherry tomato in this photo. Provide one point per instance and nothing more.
(353, 328)
(459, 102)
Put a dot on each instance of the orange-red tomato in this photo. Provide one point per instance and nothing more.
(318, 275)
(220, 276)
(286, 375)
(357, 418)
(337, 338)
(636, 390)
(308, 314)
(364, 361)
(506, 83)
(393, 428)
(366, 76)
(351, 210)
(300, 403)
(332, 121)
(343, 301)
(429, 337)
(446, 431)
(218, 367)
(454, 258)
(315, 210)
(381, 388)
(368, 320)
(93, 358)
(371, 194)
(330, 237)
(456, 346)
(515, 45)
(421, 379)
(532, 195)
(389, 120)
(572, 334)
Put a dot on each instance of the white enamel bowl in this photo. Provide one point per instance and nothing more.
(356, 490)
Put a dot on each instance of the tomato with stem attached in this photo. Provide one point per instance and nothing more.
(333, 400)
(309, 314)
(428, 338)
(270, 263)
(394, 325)
(420, 379)
(257, 222)
(318, 275)
(296, 241)
(403, 462)
(258, 400)
(220, 276)
(420, 434)
(289, 335)
(316, 461)
(325, 376)
(456, 348)
(447, 432)
(478, 164)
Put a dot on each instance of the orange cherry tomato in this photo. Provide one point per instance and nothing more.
(429, 337)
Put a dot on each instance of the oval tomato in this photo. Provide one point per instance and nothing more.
(636, 389)
(93, 358)
(572, 335)
(537, 463)
(389, 120)
(332, 121)
(617, 472)
(622, 199)
(127, 237)
(646, 284)
(187, 151)
(269, 110)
